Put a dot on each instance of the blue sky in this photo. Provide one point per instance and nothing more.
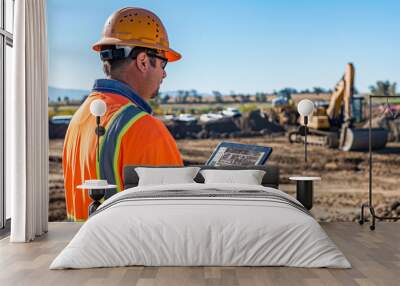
(241, 46)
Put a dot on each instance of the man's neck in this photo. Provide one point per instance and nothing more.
(132, 84)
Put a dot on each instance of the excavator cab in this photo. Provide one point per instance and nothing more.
(358, 109)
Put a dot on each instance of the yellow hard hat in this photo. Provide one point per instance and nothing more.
(136, 27)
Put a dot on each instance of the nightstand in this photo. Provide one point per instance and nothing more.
(97, 190)
(304, 190)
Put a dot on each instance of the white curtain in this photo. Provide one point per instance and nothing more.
(27, 124)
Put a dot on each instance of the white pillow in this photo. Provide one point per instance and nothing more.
(166, 176)
(248, 177)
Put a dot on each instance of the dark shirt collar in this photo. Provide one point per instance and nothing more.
(121, 88)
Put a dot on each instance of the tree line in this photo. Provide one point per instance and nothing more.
(381, 88)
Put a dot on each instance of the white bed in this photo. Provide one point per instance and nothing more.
(251, 225)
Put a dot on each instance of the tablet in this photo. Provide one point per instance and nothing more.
(235, 154)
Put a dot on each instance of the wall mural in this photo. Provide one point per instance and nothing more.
(337, 126)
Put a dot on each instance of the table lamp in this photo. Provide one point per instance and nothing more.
(98, 108)
(305, 108)
(97, 188)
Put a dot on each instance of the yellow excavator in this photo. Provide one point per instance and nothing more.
(333, 126)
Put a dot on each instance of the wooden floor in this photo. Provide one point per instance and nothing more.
(374, 255)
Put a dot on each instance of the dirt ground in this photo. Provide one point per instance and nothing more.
(337, 197)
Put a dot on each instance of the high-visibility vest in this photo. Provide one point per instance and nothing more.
(132, 137)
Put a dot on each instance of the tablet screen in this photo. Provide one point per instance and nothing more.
(235, 154)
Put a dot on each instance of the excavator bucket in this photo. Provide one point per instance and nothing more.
(357, 139)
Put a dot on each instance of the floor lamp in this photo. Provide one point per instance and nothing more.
(305, 108)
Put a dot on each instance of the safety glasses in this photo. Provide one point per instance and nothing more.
(164, 61)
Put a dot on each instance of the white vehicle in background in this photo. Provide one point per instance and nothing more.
(207, 117)
(321, 103)
(280, 101)
(61, 119)
(186, 117)
(231, 112)
(169, 117)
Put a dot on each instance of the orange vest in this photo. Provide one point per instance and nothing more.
(133, 137)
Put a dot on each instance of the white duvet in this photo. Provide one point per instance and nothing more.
(191, 231)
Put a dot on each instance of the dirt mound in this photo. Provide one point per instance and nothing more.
(57, 131)
(259, 121)
(220, 128)
(181, 129)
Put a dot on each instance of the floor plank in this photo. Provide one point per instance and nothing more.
(374, 255)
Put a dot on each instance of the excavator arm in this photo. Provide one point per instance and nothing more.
(343, 94)
(335, 102)
(348, 92)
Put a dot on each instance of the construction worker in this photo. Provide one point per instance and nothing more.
(134, 50)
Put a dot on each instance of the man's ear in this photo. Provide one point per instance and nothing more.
(142, 62)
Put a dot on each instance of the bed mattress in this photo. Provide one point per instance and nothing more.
(201, 225)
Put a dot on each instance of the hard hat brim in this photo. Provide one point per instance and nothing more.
(170, 54)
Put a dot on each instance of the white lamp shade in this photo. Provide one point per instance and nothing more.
(98, 107)
(305, 107)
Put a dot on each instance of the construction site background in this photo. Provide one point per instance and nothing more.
(263, 121)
